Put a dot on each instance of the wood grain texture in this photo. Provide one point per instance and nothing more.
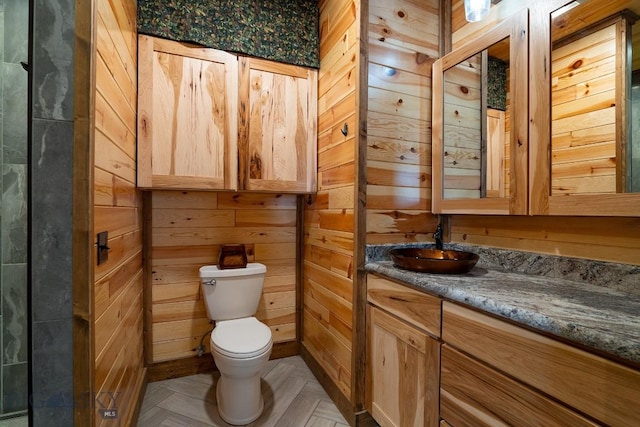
(404, 372)
(187, 122)
(187, 231)
(117, 298)
(562, 197)
(277, 131)
(419, 309)
(581, 106)
(459, 173)
(328, 227)
(581, 380)
(472, 394)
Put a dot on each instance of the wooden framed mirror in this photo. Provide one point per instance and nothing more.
(480, 122)
(585, 151)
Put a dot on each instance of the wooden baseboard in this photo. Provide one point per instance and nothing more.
(284, 349)
(199, 365)
(364, 419)
(341, 401)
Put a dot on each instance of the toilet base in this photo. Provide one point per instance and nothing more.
(239, 411)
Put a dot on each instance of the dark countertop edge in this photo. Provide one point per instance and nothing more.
(585, 337)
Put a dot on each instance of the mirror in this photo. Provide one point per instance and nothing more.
(595, 98)
(476, 125)
(480, 123)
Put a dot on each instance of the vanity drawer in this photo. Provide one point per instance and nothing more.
(600, 388)
(418, 308)
(473, 394)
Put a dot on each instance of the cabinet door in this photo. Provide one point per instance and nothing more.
(585, 108)
(474, 395)
(187, 116)
(277, 127)
(404, 366)
(480, 161)
(598, 387)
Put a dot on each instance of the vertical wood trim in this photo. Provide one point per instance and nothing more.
(243, 121)
(83, 161)
(623, 45)
(540, 108)
(299, 268)
(311, 168)
(232, 118)
(437, 145)
(359, 352)
(147, 297)
(484, 78)
(445, 27)
(519, 144)
(145, 129)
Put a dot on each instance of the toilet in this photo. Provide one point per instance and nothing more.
(240, 343)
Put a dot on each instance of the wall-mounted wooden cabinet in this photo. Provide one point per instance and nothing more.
(209, 120)
(187, 120)
(277, 126)
(584, 108)
(568, 144)
(477, 167)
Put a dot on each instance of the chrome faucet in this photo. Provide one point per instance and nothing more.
(437, 235)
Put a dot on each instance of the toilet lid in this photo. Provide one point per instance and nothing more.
(241, 338)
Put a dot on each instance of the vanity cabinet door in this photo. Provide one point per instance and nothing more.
(598, 387)
(403, 372)
(187, 116)
(472, 395)
(277, 127)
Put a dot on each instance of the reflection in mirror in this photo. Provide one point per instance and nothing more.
(594, 135)
(476, 125)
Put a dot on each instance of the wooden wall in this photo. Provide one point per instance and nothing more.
(118, 308)
(403, 42)
(328, 267)
(187, 230)
(583, 114)
(599, 238)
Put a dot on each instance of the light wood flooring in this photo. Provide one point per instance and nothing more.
(292, 397)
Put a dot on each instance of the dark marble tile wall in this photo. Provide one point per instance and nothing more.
(51, 244)
(13, 206)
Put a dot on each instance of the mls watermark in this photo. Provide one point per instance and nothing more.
(106, 403)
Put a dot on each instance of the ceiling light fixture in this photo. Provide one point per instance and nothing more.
(476, 10)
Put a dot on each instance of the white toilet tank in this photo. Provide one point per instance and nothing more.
(232, 293)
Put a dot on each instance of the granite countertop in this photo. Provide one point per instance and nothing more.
(591, 303)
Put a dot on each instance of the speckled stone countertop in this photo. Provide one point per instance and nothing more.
(592, 303)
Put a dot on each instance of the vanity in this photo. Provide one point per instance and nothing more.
(533, 116)
(521, 337)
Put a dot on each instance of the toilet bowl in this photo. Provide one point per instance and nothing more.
(240, 343)
(240, 349)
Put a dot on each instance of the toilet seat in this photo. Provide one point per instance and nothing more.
(241, 338)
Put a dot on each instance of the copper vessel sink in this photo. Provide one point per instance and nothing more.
(434, 260)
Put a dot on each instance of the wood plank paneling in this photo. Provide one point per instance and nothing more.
(329, 221)
(187, 231)
(118, 287)
(403, 40)
(580, 104)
